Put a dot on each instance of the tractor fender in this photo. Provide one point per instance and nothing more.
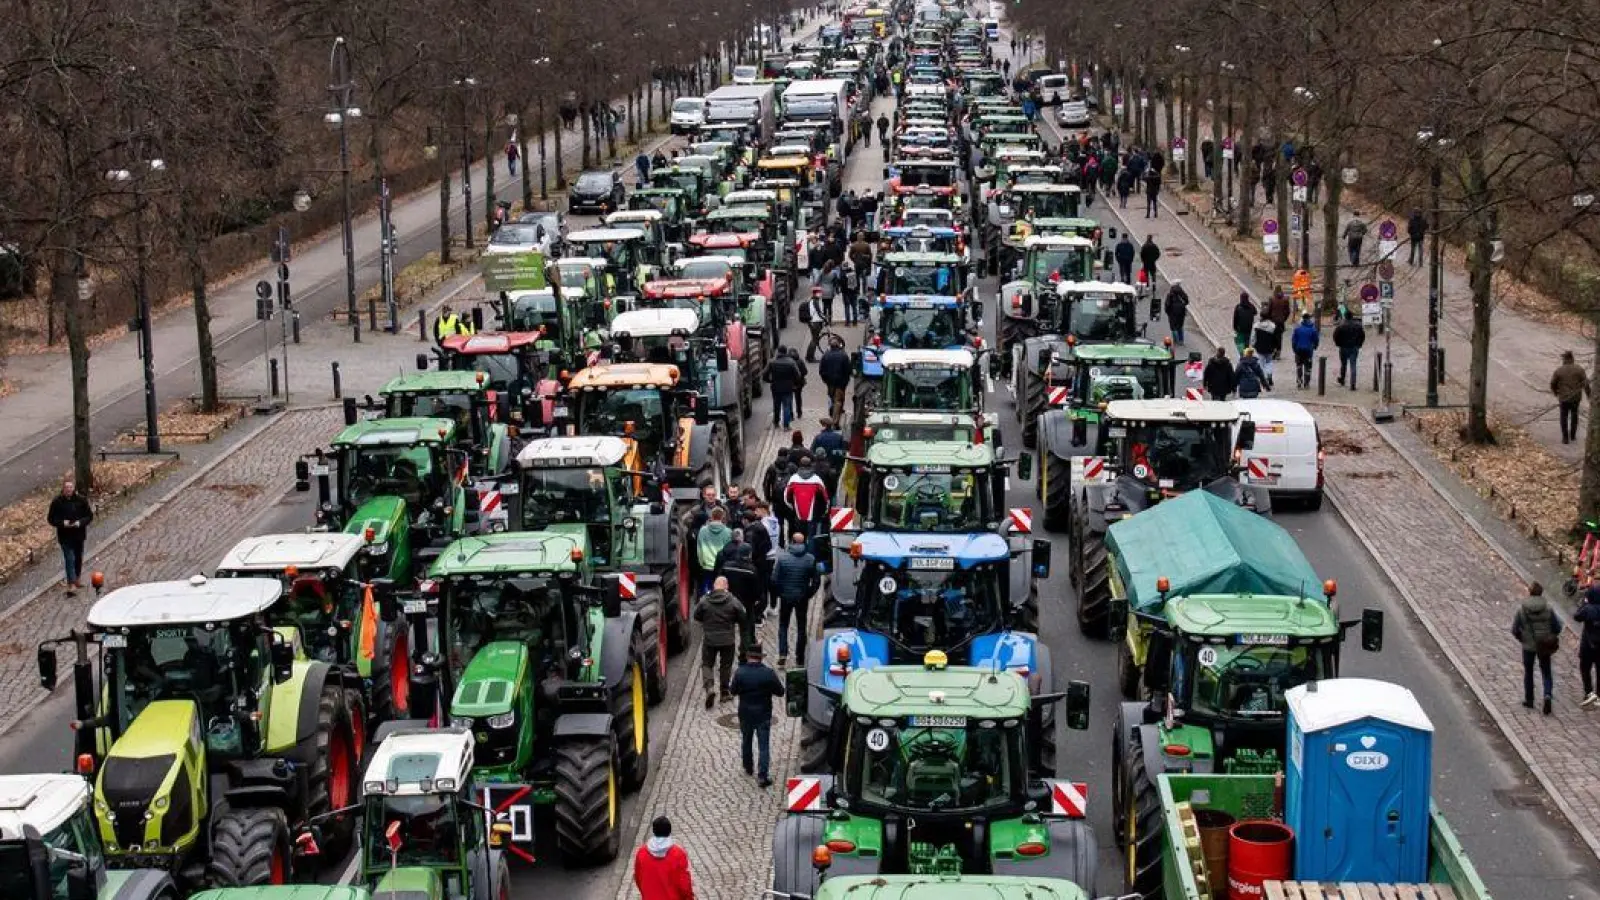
(1156, 760)
(1055, 435)
(658, 550)
(615, 647)
(581, 725)
(1020, 574)
(700, 447)
(1074, 855)
(1006, 650)
(138, 884)
(728, 384)
(867, 651)
(819, 708)
(293, 714)
(793, 840)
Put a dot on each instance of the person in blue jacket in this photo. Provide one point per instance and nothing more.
(1304, 342)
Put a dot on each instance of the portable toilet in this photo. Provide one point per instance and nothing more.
(1358, 786)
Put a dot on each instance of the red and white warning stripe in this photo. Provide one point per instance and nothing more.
(1093, 467)
(593, 359)
(1021, 519)
(628, 586)
(1057, 396)
(1258, 467)
(1193, 393)
(804, 794)
(488, 502)
(841, 518)
(1069, 798)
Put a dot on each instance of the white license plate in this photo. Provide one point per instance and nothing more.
(414, 607)
(1270, 640)
(1264, 479)
(937, 564)
(509, 489)
(561, 412)
(114, 641)
(319, 470)
(939, 721)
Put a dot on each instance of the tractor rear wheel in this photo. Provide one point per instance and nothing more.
(587, 801)
(1055, 485)
(250, 847)
(650, 606)
(813, 748)
(333, 773)
(1030, 406)
(1140, 824)
(391, 676)
(1128, 674)
(1028, 612)
(629, 721)
(356, 709)
(676, 620)
(1094, 586)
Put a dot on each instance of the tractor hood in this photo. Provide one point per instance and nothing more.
(408, 883)
(382, 514)
(489, 685)
(138, 771)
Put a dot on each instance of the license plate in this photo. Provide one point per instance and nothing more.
(1264, 479)
(936, 564)
(561, 412)
(1274, 640)
(114, 641)
(319, 470)
(938, 721)
(510, 488)
(414, 607)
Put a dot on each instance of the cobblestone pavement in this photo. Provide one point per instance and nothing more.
(1465, 595)
(170, 543)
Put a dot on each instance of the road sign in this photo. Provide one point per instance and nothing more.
(1386, 270)
(1269, 226)
(1386, 290)
(1116, 104)
(1087, 82)
(1369, 292)
(1386, 230)
(1299, 193)
(1271, 242)
(1294, 223)
(1300, 178)
(1349, 174)
(1371, 313)
(513, 272)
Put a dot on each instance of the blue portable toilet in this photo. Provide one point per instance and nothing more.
(1358, 786)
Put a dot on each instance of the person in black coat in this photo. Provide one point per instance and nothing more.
(785, 376)
(1218, 377)
(754, 684)
(1248, 375)
(1125, 253)
(1244, 322)
(1348, 337)
(834, 370)
(70, 515)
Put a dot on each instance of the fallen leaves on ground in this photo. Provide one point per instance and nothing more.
(25, 536)
(187, 425)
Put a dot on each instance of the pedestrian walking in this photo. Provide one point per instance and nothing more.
(1569, 383)
(1304, 342)
(70, 515)
(795, 579)
(800, 391)
(713, 536)
(1149, 254)
(1348, 337)
(1152, 193)
(784, 377)
(1416, 230)
(1177, 309)
(806, 495)
(738, 567)
(1218, 375)
(1313, 183)
(754, 685)
(721, 617)
(1244, 322)
(1207, 148)
(835, 371)
(1537, 627)
(1248, 376)
(1124, 253)
(1589, 645)
(641, 165)
(1279, 309)
(1266, 341)
(661, 867)
(883, 131)
(1355, 232)
(813, 315)
(1125, 180)
(513, 153)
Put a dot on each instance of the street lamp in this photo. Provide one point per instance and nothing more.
(1189, 152)
(1228, 69)
(152, 433)
(464, 85)
(1428, 139)
(544, 186)
(1308, 97)
(339, 115)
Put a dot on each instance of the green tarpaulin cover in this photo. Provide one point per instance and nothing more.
(1203, 544)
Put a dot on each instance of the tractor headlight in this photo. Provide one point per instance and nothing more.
(504, 720)
(461, 721)
(378, 549)
(160, 805)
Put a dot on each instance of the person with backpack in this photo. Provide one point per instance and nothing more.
(785, 378)
(1589, 646)
(1248, 376)
(1537, 627)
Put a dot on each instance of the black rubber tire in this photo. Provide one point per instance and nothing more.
(315, 752)
(793, 842)
(633, 752)
(650, 607)
(813, 748)
(1142, 833)
(1056, 490)
(1027, 615)
(736, 448)
(676, 623)
(355, 706)
(244, 843)
(1094, 587)
(397, 648)
(587, 832)
(1129, 675)
(1080, 863)
(1315, 503)
(1030, 406)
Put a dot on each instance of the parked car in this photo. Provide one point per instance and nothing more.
(600, 192)
(555, 224)
(1073, 114)
(520, 237)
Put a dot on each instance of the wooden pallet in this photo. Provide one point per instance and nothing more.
(1348, 890)
(1193, 851)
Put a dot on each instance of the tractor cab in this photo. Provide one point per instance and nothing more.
(1044, 201)
(51, 849)
(933, 486)
(919, 322)
(1091, 311)
(1169, 447)
(692, 182)
(755, 223)
(1098, 374)
(1023, 174)
(786, 194)
(934, 274)
(918, 592)
(713, 301)
(655, 247)
(1088, 229)
(673, 205)
(675, 336)
(930, 380)
(464, 397)
(583, 483)
(926, 239)
(629, 259)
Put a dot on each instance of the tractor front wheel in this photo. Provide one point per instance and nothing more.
(1094, 586)
(587, 801)
(1055, 485)
(334, 774)
(650, 607)
(1140, 824)
(249, 848)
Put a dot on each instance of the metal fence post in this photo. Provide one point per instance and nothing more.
(337, 392)
(1322, 375)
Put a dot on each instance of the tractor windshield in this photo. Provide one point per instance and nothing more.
(925, 608)
(927, 387)
(737, 225)
(951, 766)
(928, 328)
(923, 243)
(935, 279)
(1176, 456)
(1247, 682)
(200, 663)
(501, 369)
(429, 831)
(563, 495)
(66, 852)
(1047, 205)
(949, 502)
(635, 411)
(1071, 263)
(311, 604)
(521, 610)
(404, 471)
(706, 268)
(1096, 382)
(1094, 318)
(471, 423)
(536, 310)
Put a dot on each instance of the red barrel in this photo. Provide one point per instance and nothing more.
(1258, 851)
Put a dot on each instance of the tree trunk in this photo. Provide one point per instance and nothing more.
(1589, 490)
(1334, 189)
(1480, 272)
(555, 158)
(1169, 113)
(444, 198)
(585, 122)
(489, 194)
(190, 233)
(1280, 192)
(1191, 165)
(65, 264)
(1218, 164)
(526, 160)
(1247, 167)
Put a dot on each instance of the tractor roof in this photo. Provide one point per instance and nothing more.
(944, 887)
(286, 892)
(933, 552)
(1064, 222)
(1046, 189)
(896, 357)
(1115, 353)
(573, 452)
(922, 230)
(748, 197)
(494, 342)
(403, 431)
(624, 216)
(681, 288)
(947, 454)
(955, 691)
(1225, 615)
(655, 323)
(311, 550)
(625, 375)
(1056, 241)
(889, 418)
(42, 802)
(660, 190)
(722, 240)
(1168, 410)
(200, 600)
(510, 553)
(742, 211)
(591, 235)
(1093, 287)
(919, 258)
(436, 381)
(417, 761)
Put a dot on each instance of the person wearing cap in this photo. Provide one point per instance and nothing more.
(1177, 308)
(754, 685)
(661, 866)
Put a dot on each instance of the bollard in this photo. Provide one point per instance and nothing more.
(422, 325)
(1439, 365)
(294, 324)
(1388, 383)
(1377, 372)
(272, 376)
(1322, 376)
(337, 388)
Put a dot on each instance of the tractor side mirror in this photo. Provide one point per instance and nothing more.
(1041, 559)
(422, 362)
(855, 360)
(702, 410)
(1078, 705)
(1042, 361)
(1080, 432)
(350, 413)
(47, 668)
(795, 690)
(722, 358)
(1372, 630)
(383, 592)
(282, 660)
(80, 883)
(1024, 466)
(1157, 662)
(611, 598)
(38, 858)
(1247, 435)
(477, 319)
(302, 475)
(1117, 620)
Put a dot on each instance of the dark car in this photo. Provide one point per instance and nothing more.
(600, 192)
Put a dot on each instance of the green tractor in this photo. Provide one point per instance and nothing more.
(50, 848)
(1073, 382)
(1212, 619)
(937, 887)
(208, 740)
(483, 433)
(550, 673)
(1032, 303)
(399, 483)
(936, 770)
(581, 485)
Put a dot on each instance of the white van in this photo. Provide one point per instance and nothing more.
(1287, 456)
(1057, 86)
(688, 113)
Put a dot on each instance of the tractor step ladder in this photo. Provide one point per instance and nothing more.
(1193, 851)
(1347, 890)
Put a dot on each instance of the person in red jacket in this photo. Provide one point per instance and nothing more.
(661, 867)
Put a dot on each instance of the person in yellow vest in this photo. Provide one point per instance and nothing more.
(449, 324)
